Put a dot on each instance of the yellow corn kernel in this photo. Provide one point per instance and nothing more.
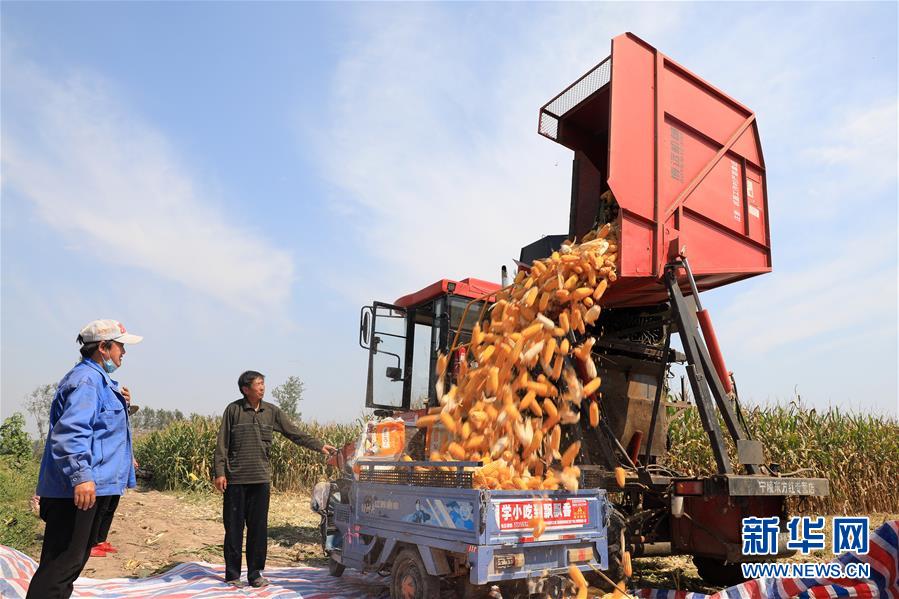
(550, 408)
(548, 350)
(493, 380)
(485, 355)
(476, 337)
(571, 282)
(594, 414)
(544, 301)
(562, 295)
(557, 368)
(626, 566)
(592, 314)
(447, 419)
(591, 387)
(556, 439)
(563, 321)
(564, 347)
(529, 398)
(474, 441)
(530, 296)
(536, 440)
(426, 421)
(456, 450)
(576, 320)
(539, 527)
(600, 289)
(620, 476)
(580, 293)
(570, 454)
(532, 330)
(579, 581)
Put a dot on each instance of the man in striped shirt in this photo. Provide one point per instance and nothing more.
(243, 472)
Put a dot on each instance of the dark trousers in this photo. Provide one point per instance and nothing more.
(246, 505)
(68, 537)
(106, 518)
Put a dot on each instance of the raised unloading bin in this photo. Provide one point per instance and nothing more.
(683, 163)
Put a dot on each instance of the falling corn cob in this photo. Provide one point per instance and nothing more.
(534, 367)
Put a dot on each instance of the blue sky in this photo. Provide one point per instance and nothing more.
(234, 180)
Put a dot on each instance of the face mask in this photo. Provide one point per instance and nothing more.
(109, 366)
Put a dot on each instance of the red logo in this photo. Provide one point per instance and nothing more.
(121, 327)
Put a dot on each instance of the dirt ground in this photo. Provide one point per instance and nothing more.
(154, 531)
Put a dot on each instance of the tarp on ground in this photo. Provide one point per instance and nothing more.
(197, 580)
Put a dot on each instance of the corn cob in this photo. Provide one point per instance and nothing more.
(524, 358)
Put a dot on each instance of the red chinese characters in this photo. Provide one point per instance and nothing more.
(517, 515)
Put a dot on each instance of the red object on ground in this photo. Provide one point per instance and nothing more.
(105, 546)
(97, 552)
(683, 161)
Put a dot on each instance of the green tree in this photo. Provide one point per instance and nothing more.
(288, 395)
(148, 419)
(14, 441)
(38, 404)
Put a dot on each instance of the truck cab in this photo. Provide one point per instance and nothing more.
(403, 340)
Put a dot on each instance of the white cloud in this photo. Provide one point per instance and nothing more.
(117, 188)
(850, 287)
(863, 145)
(432, 131)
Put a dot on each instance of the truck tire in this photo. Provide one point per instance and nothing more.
(716, 571)
(335, 568)
(409, 578)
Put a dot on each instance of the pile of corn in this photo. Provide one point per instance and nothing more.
(533, 373)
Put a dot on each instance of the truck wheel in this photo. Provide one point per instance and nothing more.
(335, 568)
(715, 571)
(410, 579)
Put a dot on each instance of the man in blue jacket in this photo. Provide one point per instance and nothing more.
(87, 459)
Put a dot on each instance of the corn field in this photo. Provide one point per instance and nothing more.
(180, 456)
(859, 454)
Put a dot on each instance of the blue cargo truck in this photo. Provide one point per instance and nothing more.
(424, 524)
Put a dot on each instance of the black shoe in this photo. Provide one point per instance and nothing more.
(258, 583)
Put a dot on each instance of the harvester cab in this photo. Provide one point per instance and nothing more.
(403, 340)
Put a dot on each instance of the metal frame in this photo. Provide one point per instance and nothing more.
(704, 380)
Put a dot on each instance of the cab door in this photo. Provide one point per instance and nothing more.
(384, 330)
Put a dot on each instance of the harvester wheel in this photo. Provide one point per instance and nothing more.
(718, 572)
(410, 579)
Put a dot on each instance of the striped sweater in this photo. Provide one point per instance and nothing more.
(245, 441)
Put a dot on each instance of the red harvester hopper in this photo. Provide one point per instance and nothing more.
(682, 160)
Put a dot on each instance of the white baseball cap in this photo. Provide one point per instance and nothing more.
(107, 330)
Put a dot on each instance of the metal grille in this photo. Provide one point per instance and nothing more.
(594, 478)
(341, 512)
(459, 479)
(549, 125)
(585, 87)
